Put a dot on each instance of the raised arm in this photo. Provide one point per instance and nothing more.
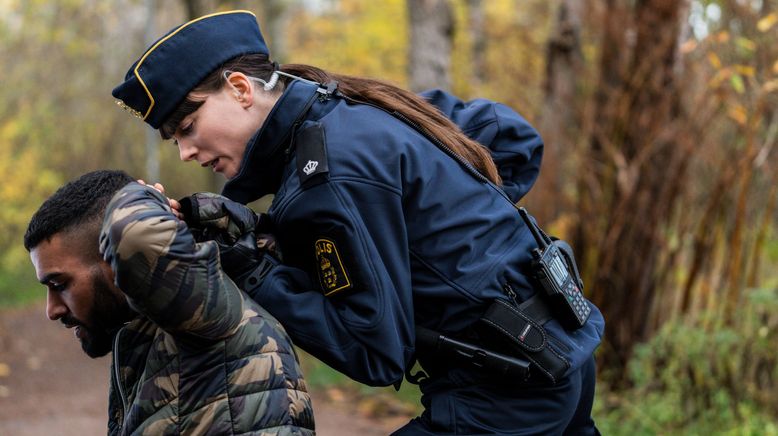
(166, 275)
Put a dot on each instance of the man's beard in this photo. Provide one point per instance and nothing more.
(108, 313)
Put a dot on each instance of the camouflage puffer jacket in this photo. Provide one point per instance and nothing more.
(202, 358)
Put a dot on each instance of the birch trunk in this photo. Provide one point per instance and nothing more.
(431, 33)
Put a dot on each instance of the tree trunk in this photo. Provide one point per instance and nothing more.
(639, 169)
(592, 184)
(559, 122)
(476, 22)
(194, 8)
(152, 138)
(431, 33)
(275, 18)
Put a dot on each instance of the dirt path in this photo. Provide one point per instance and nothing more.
(48, 386)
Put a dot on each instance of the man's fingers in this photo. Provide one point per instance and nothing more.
(174, 204)
(158, 186)
(175, 207)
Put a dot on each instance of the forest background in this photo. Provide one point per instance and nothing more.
(659, 119)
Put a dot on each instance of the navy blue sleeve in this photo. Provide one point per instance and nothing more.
(515, 146)
(344, 292)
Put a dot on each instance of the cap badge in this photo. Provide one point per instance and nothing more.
(124, 106)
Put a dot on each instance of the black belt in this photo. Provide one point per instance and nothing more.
(510, 340)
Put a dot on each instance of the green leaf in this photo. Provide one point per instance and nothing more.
(745, 44)
(737, 83)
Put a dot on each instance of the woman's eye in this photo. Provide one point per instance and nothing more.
(187, 129)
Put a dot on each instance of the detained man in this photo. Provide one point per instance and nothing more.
(191, 353)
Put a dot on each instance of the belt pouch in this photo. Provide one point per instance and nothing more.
(519, 331)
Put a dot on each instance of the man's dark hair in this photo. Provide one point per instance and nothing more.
(79, 202)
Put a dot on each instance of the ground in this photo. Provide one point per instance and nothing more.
(49, 386)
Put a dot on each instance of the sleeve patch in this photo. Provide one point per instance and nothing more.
(332, 274)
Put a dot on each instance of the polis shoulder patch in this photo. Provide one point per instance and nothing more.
(332, 274)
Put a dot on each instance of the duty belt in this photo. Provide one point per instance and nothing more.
(505, 343)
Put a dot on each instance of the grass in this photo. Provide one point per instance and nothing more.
(19, 288)
(382, 401)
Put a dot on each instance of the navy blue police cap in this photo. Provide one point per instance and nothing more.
(159, 81)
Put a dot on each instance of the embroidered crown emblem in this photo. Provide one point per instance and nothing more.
(310, 167)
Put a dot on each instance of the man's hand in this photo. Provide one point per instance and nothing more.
(175, 207)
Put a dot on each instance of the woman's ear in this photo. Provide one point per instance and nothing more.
(242, 88)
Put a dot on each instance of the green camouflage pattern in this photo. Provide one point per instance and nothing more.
(203, 358)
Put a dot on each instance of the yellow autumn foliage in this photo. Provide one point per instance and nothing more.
(27, 184)
(767, 22)
(358, 38)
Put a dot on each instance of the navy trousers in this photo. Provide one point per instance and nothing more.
(455, 408)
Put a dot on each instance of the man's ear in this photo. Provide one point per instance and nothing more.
(110, 277)
(242, 88)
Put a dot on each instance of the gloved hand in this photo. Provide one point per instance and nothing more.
(233, 227)
(214, 217)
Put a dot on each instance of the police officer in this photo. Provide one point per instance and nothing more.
(392, 221)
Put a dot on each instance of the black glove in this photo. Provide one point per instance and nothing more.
(213, 217)
(233, 227)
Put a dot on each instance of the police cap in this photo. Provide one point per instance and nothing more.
(157, 83)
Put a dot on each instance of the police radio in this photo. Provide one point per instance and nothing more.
(554, 267)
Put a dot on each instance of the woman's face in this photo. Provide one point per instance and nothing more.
(215, 135)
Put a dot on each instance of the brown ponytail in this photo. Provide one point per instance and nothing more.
(411, 106)
(372, 91)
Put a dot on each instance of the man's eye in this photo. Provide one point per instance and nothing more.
(58, 287)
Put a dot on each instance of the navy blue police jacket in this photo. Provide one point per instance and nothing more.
(381, 230)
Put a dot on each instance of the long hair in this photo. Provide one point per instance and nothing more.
(371, 91)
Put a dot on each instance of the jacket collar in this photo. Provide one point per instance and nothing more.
(265, 155)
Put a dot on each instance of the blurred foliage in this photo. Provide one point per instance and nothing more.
(19, 287)
(702, 377)
(354, 37)
(26, 184)
(380, 403)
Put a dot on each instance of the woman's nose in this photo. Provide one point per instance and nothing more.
(55, 308)
(186, 151)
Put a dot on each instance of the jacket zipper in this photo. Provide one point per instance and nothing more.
(117, 378)
(508, 290)
(477, 174)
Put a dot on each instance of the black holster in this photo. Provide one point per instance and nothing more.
(438, 352)
(518, 331)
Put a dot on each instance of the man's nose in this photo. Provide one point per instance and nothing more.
(55, 307)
